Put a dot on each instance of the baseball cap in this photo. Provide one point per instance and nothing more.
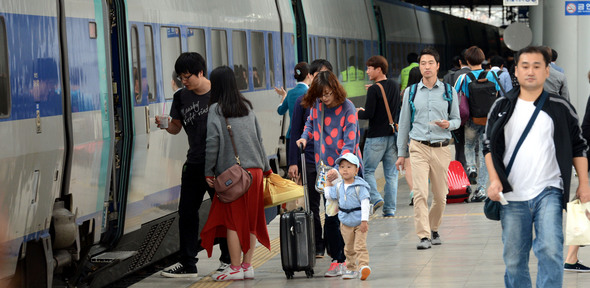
(350, 158)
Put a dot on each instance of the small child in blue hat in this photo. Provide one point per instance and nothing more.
(354, 207)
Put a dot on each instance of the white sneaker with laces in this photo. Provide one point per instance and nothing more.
(248, 272)
(350, 274)
(230, 274)
(335, 269)
(222, 267)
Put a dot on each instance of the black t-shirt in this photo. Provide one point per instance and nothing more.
(192, 110)
(375, 108)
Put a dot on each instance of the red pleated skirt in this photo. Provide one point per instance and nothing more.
(245, 216)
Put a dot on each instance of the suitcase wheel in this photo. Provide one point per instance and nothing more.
(289, 274)
(309, 273)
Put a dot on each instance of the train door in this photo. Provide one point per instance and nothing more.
(89, 121)
(301, 30)
(122, 114)
(382, 40)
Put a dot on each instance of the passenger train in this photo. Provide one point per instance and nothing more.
(89, 185)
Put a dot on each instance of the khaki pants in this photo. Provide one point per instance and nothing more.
(429, 163)
(355, 247)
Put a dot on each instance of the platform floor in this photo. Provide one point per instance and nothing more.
(470, 256)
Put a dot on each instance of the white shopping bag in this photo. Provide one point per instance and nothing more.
(577, 230)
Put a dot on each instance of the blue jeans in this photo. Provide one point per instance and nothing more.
(474, 135)
(376, 150)
(517, 218)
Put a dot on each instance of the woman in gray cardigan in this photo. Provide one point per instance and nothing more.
(241, 221)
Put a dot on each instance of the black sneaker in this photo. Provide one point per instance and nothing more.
(435, 238)
(578, 267)
(179, 271)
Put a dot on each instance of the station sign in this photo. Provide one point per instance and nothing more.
(577, 8)
(521, 2)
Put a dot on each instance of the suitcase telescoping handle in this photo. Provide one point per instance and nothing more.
(304, 177)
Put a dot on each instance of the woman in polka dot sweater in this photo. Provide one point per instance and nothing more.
(340, 136)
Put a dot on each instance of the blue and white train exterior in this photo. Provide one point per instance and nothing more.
(89, 186)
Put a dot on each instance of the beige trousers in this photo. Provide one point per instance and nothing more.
(355, 247)
(429, 163)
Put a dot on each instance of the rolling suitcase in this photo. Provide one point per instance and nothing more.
(459, 186)
(297, 236)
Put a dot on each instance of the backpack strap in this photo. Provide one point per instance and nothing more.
(411, 101)
(499, 84)
(447, 96)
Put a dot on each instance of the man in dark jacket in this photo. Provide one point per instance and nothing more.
(540, 177)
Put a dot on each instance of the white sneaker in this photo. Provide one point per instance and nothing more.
(179, 271)
(365, 271)
(335, 269)
(350, 274)
(248, 273)
(230, 274)
(222, 267)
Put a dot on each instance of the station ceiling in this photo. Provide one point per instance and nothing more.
(465, 3)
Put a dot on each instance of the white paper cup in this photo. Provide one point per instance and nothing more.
(163, 119)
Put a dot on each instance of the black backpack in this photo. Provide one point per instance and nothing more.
(482, 94)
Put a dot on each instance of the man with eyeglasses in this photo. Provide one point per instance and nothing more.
(189, 110)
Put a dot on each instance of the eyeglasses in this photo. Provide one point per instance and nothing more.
(182, 78)
(327, 94)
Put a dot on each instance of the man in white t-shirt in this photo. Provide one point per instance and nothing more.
(537, 185)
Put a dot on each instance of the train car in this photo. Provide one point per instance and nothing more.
(405, 28)
(90, 185)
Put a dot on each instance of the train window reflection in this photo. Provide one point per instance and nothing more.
(196, 41)
(271, 60)
(360, 50)
(170, 49)
(258, 60)
(240, 54)
(351, 66)
(322, 52)
(342, 60)
(136, 68)
(4, 79)
(150, 65)
(218, 48)
(333, 55)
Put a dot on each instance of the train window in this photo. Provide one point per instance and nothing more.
(351, 68)
(322, 52)
(196, 41)
(360, 50)
(92, 30)
(170, 45)
(342, 60)
(271, 60)
(310, 49)
(219, 48)
(136, 66)
(240, 54)
(4, 79)
(333, 55)
(150, 63)
(258, 59)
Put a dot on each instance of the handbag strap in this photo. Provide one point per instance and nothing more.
(323, 107)
(386, 107)
(526, 130)
(231, 136)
